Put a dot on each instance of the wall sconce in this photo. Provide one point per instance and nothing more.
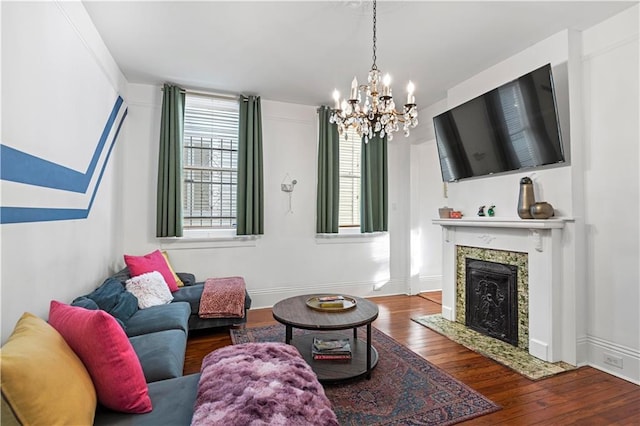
(287, 186)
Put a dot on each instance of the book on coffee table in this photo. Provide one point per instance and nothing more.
(331, 349)
(331, 301)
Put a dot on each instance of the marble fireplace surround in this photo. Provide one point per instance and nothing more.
(541, 240)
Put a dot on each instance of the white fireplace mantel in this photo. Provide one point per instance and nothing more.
(541, 240)
(494, 222)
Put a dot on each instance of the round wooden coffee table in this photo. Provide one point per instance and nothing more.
(294, 313)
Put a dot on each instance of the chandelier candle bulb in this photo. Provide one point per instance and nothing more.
(410, 98)
(354, 89)
(336, 97)
(386, 81)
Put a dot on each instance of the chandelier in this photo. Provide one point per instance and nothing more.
(378, 115)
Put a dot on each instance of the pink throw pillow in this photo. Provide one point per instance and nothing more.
(153, 261)
(102, 345)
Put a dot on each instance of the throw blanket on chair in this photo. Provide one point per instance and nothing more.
(222, 298)
(260, 384)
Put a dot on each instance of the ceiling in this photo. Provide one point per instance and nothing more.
(299, 51)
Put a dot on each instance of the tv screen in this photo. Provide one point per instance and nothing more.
(512, 127)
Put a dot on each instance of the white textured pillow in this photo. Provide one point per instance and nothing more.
(151, 289)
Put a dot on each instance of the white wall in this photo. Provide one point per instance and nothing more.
(552, 184)
(598, 72)
(59, 86)
(288, 259)
(611, 116)
(428, 194)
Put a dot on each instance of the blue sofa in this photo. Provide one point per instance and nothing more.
(191, 293)
(159, 337)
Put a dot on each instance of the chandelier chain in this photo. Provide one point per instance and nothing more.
(374, 66)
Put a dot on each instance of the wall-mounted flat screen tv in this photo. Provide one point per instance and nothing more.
(512, 127)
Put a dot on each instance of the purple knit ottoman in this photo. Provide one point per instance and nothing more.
(260, 384)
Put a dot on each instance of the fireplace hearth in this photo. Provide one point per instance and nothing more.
(491, 305)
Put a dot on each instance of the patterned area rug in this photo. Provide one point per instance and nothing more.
(502, 352)
(404, 388)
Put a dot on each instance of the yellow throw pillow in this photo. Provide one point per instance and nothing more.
(178, 280)
(42, 379)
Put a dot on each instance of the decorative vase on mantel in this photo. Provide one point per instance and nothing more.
(541, 210)
(526, 198)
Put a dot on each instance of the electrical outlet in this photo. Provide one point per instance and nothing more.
(610, 359)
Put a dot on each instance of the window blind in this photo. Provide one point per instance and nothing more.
(210, 162)
(349, 209)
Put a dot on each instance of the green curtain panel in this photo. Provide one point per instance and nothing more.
(373, 206)
(250, 214)
(169, 203)
(328, 174)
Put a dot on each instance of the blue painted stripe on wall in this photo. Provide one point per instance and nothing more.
(36, 214)
(44, 214)
(18, 166)
(106, 161)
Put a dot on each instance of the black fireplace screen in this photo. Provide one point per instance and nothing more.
(491, 297)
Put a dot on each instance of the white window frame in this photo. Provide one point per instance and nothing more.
(350, 180)
(214, 135)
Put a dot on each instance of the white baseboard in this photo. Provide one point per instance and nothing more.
(447, 313)
(266, 298)
(539, 349)
(627, 360)
(429, 283)
(582, 351)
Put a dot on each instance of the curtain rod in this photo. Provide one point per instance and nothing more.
(202, 92)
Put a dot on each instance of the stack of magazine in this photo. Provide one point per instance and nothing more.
(331, 301)
(331, 349)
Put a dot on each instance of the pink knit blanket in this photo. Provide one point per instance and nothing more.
(222, 298)
(260, 384)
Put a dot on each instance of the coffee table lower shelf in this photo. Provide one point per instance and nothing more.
(337, 370)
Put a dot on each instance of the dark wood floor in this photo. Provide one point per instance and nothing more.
(582, 397)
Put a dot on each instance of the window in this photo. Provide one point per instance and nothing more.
(350, 147)
(518, 126)
(210, 162)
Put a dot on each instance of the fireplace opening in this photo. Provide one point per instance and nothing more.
(491, 299)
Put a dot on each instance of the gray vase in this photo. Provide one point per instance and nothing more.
(542, 210)
(526, 198)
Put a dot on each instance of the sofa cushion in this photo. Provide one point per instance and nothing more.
(174, 316)
(85, 302)
(7, 416)
(179, 282)
(161, 354)
(111, 297)
(172, 400)
(42, 379)
(150, 289)
(106, 296)
(186, 278)
(126, 306)
(122, 275)
(104, 348)
(153, 261)
(190, 294)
